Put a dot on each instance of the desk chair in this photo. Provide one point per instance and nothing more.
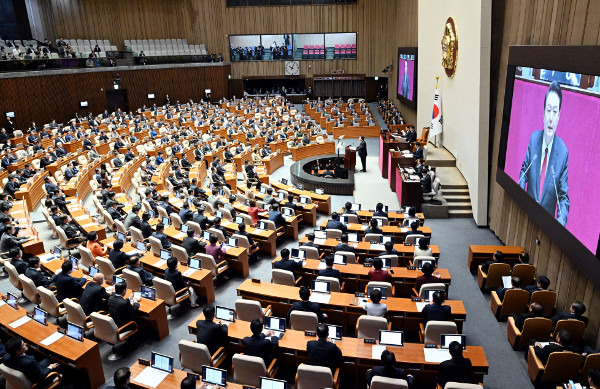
(368, 327)
(493, 278)
(218, 233)
(106, 267)
(272, 227)
(120, 227)
(193, 355)
(162, 212)
(133, 280)
(17, 380)
(87, 259)
(413, 238)
(534, 328)
(245, 243)
(50, 304)
(394, 260)
(248, 310)
(406, 222)
(13, 277)
(384, 220)
(166, 292)
(575, 327)
(432, 332)
(379, 382)
(176, 220)
(460, 385)
(284, 277)
(316, 377)
(155, 245)
(548, 300)
(76, 315)
(105, 329)
(333, 233)
(515, 301)
(561, 367)
(350, 256)
(373, 238)
(226, 213)
(311, 252)
(208, 263)
(180, 254)
(431, 286)
(592, 361)
(303, 321)
(29, 290)
(247, 370)
(65, 243)
(110, 223)
(352, 218)
(525, 272)
(334, 283)
(196, 227)
(380, 284)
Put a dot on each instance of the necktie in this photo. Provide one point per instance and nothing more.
(543, 175)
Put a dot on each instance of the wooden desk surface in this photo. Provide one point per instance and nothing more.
(371, 250)
(312, 150)
(273, 162)
(33, 246)
(171, 381)
(323, 201)
(478, 254)
(393, 217)
(387, 230)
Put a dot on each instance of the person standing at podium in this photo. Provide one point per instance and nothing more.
(362, 153)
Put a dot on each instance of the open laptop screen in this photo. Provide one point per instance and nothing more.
(449, 338)
(75, 332)
(335, 332)
(339, 259)
(40, 315)
(162, 362)
(223, 313)
(213, 375)
(148, 293)
(274, 323)
(270, 383)
(391, 338)
(381, 289)
(195, 263)
(321, 286)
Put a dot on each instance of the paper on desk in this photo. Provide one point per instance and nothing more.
(51, 339)
(151, 377)
(82, 217)
(403, 229)
(506, 281)
(160, 263)
(19, 322)
(376, 351)
(2, 303)
(189, 272)
(435, 355)
(320, 298)
(377, 246)
(46, 257)
(414, 177)
(420, 306)
(322, 265)
(225, 223)
(180, 235)
(320, 241)
(89, 225)
(132, 252)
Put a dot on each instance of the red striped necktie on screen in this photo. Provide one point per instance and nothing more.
(543, 175)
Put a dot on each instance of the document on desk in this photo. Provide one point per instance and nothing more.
(321, 298)
(80, 218)
(46, 257)
(19, 322)
(322, 265)
(132, 252)
(225, 223)
(376, 351)
(436, 355)
(151, 377)
(320, 241)
(420, 306)
(160, 263)
(89, 225)
(51, 339)
(181, 235)
(377, 246)
(189, 272)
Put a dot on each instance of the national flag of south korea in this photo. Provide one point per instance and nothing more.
(436, 117)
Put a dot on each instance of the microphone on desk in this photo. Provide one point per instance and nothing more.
(526, 170)
(556, 192)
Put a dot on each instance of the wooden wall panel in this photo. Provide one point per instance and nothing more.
(543, 22)
(41, 98)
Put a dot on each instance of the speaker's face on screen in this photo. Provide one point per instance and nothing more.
(551, 116)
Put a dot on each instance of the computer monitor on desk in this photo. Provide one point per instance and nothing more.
(446, 339)
(214, 376)
(161, 362)
(391, 338)
(270, 383)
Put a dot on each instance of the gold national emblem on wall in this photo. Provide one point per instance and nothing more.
(449, 48)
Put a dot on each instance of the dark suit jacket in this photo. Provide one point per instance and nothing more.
(454, 371)
(558, 162)
(394, 372)
(39, 278)
(520, 319)
(287, 264)
(20, 265)
(145, 275)
(27, 365)
(92, 298)
(343, 247)
(118, 258)
(277, 217)
(361, 150)
(146, 230)
(175, 278)
(568, 315)
(437, 312)
(338, 225)
(192, 246)
(323, 353)
(418, 154)
(68, 287)
(306, 306)
(163, 239)
(211, 334)
(311, 244)
(543, 353)
(121, 310)
(260, 346)
(330, 272)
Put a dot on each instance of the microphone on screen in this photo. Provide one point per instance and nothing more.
(556, 192)
(526, 170)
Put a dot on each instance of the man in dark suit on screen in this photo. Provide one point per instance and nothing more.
(545, 169)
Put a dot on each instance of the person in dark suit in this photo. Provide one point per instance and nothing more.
(12, 185)
(160, 235)
(340, 172)
(425, 181)
(242, 231)
(132, 219)
(456, 369)
(66, 286)
(113, 211)
(199, 217)
(16, 259)
(210, 333)
(379, 211)
(435, 310)
(311, 241)
(286, 264)
(547, 160)
(335, 223)
(361, 150)
(175, 277)
(185, 214)
(498, 257)
(35, 274)
(16, 358)
(192, 245)
(323, 352)
(290, 204)
(535, 310)
(343, 245)
(418, 154)
(276, 216)
(120, 308)
(542, 283)
(118, 258)
(388, 370)
(329, 271)
(146, 228)
(562, 342)
(135, 266)
(576, 311)
(121, 379)
(259, 345)
(373, 228)
(515, 283)
(94, 296)
(306, 306)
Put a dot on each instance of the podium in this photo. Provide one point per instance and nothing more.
(350, 158)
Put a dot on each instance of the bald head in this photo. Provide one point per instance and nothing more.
(99, 278)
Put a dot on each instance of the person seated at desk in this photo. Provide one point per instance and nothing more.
(145, 227)
(428, 277)
(95, 247)
(276, 217)
(94, 296)
(343, 245)
(214, 250)
(388, 370)
(323, 352)
(290, 203)
(160, 235)
(10, 240)
(335, 223)
(17, 359)
(12, 185)
(515, 283)
(328, 172)
(456, 369)
(175, 277)
(214, 200)
(269, 199)
(185, 214)
(34, 272)
(340, 172)
(414, 230)
(562, 342)
(135, 266)
(373, 228)
(68, 287)
(374, 307)
(164, 202)
(576, 311)
(122, 377)
(16, 259)
(121, 309)
(258, 345)
(132, 219)
(113, 211)
(285, 263)
(542, 283)
(117, 257)
(229, 205)
(199, 216)
(348, 209)
(425, 181)
(242, 231)
(192, 245)
(418, 153)
(379, 211)
(435, 310)
(498, 257)
(378, 273)
(210, 333)
(254, 211)
(306, 305)
(535, 310)
(306, 140)
(311, 241)
(422, 249)
(217, 226)
(329, 271)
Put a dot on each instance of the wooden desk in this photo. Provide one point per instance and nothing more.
(356, 131)
(396, 231)
(312, 150)
(394, 218)
(323, 201)
(291, 222)
(33, 192)
(83, 356)
(273, 162)
(171, 381)
(395, 160)
(342, 308)
(384, 147)
(33, 246)
(478, 254)
(81, 216)
(408, 191)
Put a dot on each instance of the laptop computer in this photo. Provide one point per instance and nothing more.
(117, 280)
(335, 332)
(287, 212)
(275, 324)
(381, 289)
(266, 207)
(214, 376)
(206, 235)
(185, 228)
(140, 246)
(379, 222)
(263, 190)
(151, 213)
(344, 220)
(446, 339)
(420, 262)
(303, 200)
(57, 251)
(284, 181)
(262, 225)
(384, 239)
(231, 243)
(40, 316)
(300, 186)
(298, 255)
(270, 383)
(281, 196)
(321, 287)
(74, 262)
(219, 214)
(75, 332)
(391, 338)
(355, 207)
(161, 362)
(320, 234)
(339, 259)
(387, 262)
(223, 313)
(121, 236)
(93, 271)
(194, 263)
(353, 237)
(165, 254)
(148, 293)
(429, 293)
(165, 221)
(239, 220)
(11, 300)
